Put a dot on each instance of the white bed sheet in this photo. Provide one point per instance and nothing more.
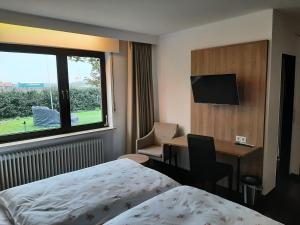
(89, 196)
(190, 206)
(3, 218)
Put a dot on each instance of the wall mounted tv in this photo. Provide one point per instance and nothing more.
(215, 89)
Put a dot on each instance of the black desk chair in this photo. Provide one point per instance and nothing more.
(203, 164)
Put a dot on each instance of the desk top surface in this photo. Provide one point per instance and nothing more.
(223, 147)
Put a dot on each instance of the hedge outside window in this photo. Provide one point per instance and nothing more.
(45, 91)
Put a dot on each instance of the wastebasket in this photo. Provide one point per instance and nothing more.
(251, 185)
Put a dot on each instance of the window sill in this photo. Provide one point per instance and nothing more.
(16, 143)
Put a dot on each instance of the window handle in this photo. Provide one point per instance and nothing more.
(63, 94)
(106, 121)
(67, 94)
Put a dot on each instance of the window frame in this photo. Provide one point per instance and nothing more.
(63, 84)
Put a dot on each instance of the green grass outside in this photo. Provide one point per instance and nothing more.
(88, 117)
(16, 125)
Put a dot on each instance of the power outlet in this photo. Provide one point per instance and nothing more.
(241, 139)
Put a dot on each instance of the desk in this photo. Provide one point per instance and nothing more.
(222, 147)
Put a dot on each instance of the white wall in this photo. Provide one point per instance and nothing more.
(62, 25)
(114, 140)
(295, 151)
(174, 61)
(24, 35)
(120, 66)
(283, 41)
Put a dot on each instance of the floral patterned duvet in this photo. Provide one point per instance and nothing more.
(190, 206)
(86, 197)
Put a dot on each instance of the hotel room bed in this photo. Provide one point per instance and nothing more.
(89, 196)
(190, 206)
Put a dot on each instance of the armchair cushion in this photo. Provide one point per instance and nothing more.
(154, 150)
(152, 143)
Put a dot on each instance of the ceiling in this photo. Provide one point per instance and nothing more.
(153, 17)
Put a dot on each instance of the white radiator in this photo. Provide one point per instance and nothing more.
(38, 163)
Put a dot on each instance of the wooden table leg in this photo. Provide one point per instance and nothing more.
(164, 154)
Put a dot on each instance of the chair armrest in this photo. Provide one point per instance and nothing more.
(145, 141)
(175, 134)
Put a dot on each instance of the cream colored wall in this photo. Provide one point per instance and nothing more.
(120, 65)
(114, 140)
(74, 27)
(284, 41)
(295, 151)
(174, 62)
(15, 34)
(174, 59)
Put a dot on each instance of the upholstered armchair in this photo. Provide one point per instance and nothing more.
(152, 143)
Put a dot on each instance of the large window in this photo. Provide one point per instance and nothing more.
(45, 91)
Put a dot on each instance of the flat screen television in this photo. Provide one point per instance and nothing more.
(215, 89)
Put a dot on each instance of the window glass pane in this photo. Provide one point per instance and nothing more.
(85, 90)
(28, 93)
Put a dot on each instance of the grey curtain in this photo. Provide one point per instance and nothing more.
(140, 103)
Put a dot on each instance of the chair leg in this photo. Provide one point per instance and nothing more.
(175, 159)
(253, 195)
(245, 194)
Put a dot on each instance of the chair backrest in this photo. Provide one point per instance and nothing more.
(164, 132)
(202, 153)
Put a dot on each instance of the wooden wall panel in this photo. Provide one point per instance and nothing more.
(249, 62)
